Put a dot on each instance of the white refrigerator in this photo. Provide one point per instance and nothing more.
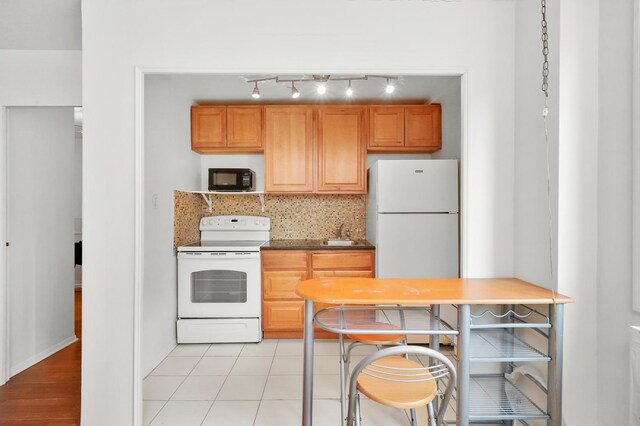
(412, 218)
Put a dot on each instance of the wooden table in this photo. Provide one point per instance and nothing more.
(461, 292)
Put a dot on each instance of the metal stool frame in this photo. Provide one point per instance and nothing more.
(434, 371)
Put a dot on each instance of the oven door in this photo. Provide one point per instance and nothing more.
(218, 285)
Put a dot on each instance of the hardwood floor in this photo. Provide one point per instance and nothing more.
(48, 393)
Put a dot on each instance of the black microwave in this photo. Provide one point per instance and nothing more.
(232, 180)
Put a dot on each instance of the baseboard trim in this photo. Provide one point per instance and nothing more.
(42, 355)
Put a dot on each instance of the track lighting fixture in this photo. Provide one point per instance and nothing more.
(294, 92)
(256, 92)
(322, 80)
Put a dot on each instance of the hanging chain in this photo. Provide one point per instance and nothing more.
(545, 112)
(545, 50)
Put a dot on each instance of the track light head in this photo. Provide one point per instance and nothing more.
(349, 90)
(322, 89)
(295, 94)
(256, 92)
(390, 87)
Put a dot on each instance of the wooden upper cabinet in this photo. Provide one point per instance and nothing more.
(288, 156)
(208, 128)
(244, 127)
(226, 129)
(405, 128)
(341, 149)
(423, 126)
(386, 127)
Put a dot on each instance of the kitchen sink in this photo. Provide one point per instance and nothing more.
(341, 242)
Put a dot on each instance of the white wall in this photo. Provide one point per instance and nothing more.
(578, 203)
(169, 165)
(450, 99)
(614, 210)
(531, 211)
(34, 24)
(432, 36)
(77, 186)
(40, 77)
(40, 255)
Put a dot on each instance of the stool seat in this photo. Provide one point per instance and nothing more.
(394, 390)
(377, 339)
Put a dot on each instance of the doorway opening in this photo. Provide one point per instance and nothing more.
(43, 200)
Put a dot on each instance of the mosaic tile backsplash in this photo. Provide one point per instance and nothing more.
(313, 217)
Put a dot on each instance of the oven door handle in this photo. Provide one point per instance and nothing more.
(218, 255)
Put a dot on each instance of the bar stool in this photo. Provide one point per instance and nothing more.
(367, 339)
(395, 381)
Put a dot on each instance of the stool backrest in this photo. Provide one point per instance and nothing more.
(439, 367)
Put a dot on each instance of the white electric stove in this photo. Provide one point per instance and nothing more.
(219, 291)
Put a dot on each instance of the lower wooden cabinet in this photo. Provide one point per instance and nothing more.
(282, 270)
(283, 315)
(335, 261)
(278, 285)
(352, 274)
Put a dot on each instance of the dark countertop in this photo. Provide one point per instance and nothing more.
(313, 245)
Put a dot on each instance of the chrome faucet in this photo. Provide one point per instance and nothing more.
(340, 231)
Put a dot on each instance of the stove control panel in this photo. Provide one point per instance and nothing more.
(235, 223)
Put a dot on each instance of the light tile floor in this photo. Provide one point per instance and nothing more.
(257, 384)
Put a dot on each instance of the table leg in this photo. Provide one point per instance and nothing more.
(307, 381)
(508, 368)
(434, 341)
(464, 340)
(554, 391)
(343, 391)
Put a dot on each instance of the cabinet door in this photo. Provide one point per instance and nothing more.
(423, 127)
(284, 259)
(281, 284)
(286, 315)
(355, 259)
(341, 150)
(347, 274)
(208, 128)
(386, 127)
(288, 153)
(244, 127)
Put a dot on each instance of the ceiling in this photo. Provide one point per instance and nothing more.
(235, 89)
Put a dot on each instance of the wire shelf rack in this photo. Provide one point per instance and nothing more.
(492, 397)
(502, 346)
(532, 318)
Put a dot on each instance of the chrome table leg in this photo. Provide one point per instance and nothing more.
(554, 391)
(307, 382)
(434, 339)
(464, 340)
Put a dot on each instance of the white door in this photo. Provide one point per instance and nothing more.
(417, 186)
(417, 246)
(40, 257)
